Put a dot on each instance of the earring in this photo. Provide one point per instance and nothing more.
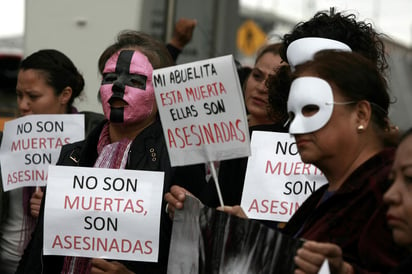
(360, 128)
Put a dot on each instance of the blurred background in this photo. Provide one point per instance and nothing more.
(83, 28)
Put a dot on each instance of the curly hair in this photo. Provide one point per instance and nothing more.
(278, 85)
(358, 35)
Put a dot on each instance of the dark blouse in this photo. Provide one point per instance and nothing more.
(404, 268)
(353, 218)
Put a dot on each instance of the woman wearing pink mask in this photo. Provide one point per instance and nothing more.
(131, 137)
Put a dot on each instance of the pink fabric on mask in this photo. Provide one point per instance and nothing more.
(140, 103)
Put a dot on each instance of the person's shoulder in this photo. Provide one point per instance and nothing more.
(70, 146)
(70, 153)
(153, 131)
(91, 120)
(91, 115)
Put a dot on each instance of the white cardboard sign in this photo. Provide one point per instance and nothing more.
(31, 143)
(103, 213)
(277, 182)
(202, 111)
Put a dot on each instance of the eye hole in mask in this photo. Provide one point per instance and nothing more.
(310, 110)
(310, 104)
(109, 78)
(131, 80)
(307, 111)
(307, 102)
(138, 81)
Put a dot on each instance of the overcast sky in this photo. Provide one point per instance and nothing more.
(392, 17)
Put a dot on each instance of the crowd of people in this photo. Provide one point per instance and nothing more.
(325, 84)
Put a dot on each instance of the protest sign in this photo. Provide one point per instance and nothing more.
(277, 181)
(202, 111)
(206, 240)
(31, 143)
(103, 213)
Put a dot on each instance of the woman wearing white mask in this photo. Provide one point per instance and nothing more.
(338, 106)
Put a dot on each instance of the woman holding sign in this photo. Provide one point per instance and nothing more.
(131, 137)
(338, 106)
(47, 83)
(232, 172)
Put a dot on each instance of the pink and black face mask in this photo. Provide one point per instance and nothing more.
(126, 90)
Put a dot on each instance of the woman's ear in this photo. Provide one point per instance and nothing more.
(363, 113)
(65, 95)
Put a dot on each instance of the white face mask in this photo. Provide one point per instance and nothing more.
(309, 92)
(303, 50)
